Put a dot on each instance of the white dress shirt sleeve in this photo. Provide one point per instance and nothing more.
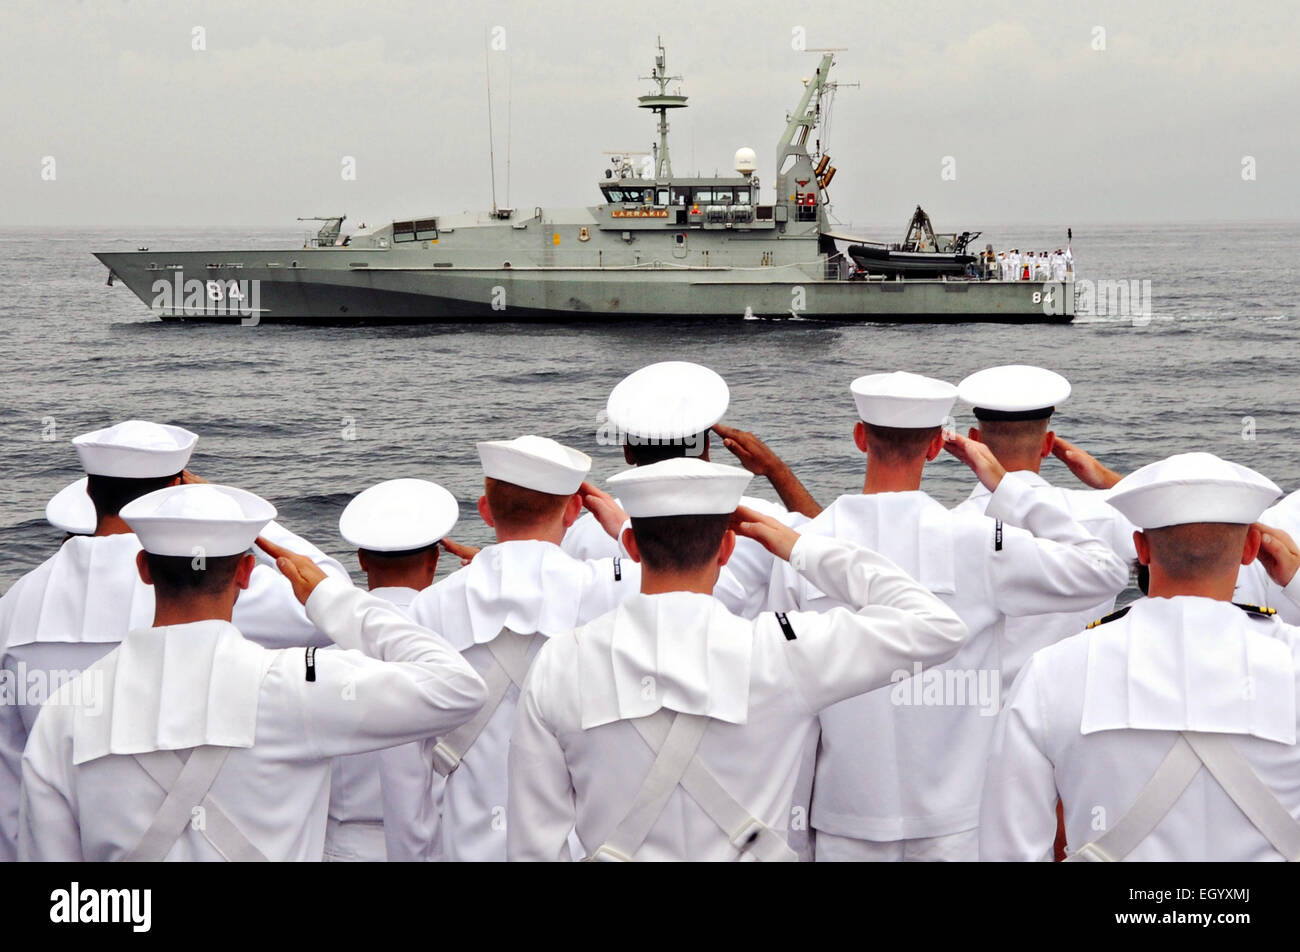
(1056, 566)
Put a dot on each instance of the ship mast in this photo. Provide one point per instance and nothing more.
(660, 102)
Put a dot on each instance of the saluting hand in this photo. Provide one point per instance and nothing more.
(604, 507)
(1278, 554)
(1086, 467)
(977, 456)
(777, 538)
(465, 553)
(753, 454)
(303, 574)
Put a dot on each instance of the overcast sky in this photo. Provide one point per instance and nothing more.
(254, 129)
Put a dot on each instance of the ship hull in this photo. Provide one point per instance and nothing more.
(331, 290)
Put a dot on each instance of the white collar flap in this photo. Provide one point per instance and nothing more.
(1191, 664)
(88, 591)
(681, 650)
(172, 689)
(529, 587)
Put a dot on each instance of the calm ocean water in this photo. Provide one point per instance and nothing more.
(308, 417)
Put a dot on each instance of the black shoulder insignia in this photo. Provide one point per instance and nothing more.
(1256, 610)
(786, 628)
(997, 535)
(1111, 617)
(618, 569)
(311, 663)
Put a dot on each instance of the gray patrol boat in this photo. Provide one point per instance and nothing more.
(657, 246)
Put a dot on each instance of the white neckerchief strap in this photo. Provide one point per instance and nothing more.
(1233, 773)
(187, 785)
(511, 657)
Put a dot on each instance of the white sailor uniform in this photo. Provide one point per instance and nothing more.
(1093, 719)
(906, 762)
(1020, 636)
(498, 611)
(76, 606)
(260, 728)
(736, 699)
(355, 829)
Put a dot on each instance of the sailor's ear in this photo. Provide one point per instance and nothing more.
(572, 510)
(1049, 440)
(431, 559)
(142, 566)
(485, 512)
(363, 560)
(247, 562)
(627, 455)
(860, 435)
(935, 448)
(974, 434)
(1251, 548)
(629, 543)
(1143, 547)
(727, 548)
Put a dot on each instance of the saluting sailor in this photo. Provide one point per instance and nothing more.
(899, 770)
(669, 728)
(1256, 582)
(1013, 406)
(395, 526)
(72, 609)
(1168, 729)
(498, 611)
(189, 742)
(668, 410)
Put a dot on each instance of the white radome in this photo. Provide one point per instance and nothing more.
(746, 160)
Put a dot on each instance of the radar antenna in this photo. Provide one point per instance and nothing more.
(660, 102)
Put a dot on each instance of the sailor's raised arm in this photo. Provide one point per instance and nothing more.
(279, 535)
(1086, 468)
(892, 622)
(1056, 565)
(757, 457)
(402, 682)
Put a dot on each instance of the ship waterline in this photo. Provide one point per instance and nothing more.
(301, 292)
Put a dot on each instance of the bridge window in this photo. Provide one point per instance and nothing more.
(403, 231)
(703, 196)
(742, 196)
(426, 230)
(722, 196)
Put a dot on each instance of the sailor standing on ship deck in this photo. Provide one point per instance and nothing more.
(667, 410)
(189, 742)
(498, 611)
(396, 527)
(1168, 729)
(1013, 405)
(900, 769)
(670, 729)
(76, 606)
